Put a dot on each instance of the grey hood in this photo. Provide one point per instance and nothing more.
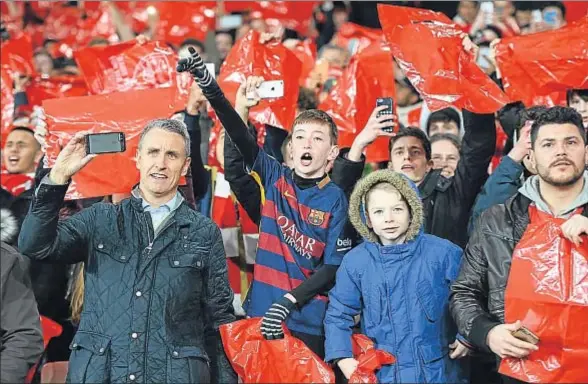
(530, 189)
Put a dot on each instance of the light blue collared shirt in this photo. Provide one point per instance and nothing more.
(158, 215)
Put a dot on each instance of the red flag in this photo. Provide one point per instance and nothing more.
(127, 66)
(543, 63)
(41, 89)
(76, 27)
(179, 20)
(306, 52)
(428, 48)
(295, 15)
(356, 38)
(273, 61)
(133, 66)
(370, 75)
(7, 105)
(16, 56)
(128, 112)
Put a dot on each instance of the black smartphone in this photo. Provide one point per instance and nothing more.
(388, 102)
(111, 142)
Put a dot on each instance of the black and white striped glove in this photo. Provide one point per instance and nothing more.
(271, 324)
(196, 67)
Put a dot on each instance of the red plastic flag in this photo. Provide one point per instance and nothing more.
(257, 360)
(295, 15)
(179, 20)
(41, 89)
(306, 52)
(428, 48)
(547, 291)
(356, 38)
(6, 104)
(370, 360)
(127, 66)
(350, 103)
(16, 56)
(133, 66)
(128, 112)
(77, 27)
(543, 63)
(273, 61)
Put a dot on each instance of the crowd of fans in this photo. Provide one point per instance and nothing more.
(283, 213)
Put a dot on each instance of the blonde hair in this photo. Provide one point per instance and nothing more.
(382, 186)
(77, 296)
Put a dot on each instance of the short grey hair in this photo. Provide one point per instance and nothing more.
(169, 125)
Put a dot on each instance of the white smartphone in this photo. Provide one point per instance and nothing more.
(211, 68)
(229, 22)
(270, 90)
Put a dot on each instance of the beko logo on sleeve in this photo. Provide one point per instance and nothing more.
(344, 244)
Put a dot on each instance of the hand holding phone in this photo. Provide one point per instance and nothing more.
(524, 334)
(111, 142)
(389, 111)
(269, 90)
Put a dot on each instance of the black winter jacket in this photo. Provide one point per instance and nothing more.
(477, 296)
(152, 303)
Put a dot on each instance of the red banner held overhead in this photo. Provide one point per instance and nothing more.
(133, 66)
(428, 48)
(370, 75)
(16, 56)
(109, 173)
(179, 20)
(356, 38)
(272, 61)
(538, 65)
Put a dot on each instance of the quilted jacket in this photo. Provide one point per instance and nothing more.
(152, 303)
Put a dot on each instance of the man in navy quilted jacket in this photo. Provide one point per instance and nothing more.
(156, 285)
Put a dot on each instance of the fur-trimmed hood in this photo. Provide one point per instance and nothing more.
(406, 188)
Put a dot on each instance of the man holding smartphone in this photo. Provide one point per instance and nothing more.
(482, 291)
(156, 285)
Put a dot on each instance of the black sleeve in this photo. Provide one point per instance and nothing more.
(243, 185)
(20, 98)
(510, 117)
(327, 30)
(319, 283)
(346, 173)
(200, 178)
(230, 119)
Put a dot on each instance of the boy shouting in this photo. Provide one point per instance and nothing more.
(303, 217)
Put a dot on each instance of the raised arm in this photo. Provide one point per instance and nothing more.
(42, 237)
(228, 116)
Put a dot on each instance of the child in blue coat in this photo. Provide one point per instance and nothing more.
(398, 281)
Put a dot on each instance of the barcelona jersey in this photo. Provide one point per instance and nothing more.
(300, 231)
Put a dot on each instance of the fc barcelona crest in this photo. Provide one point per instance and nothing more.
(316, 217)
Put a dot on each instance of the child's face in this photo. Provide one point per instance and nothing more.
(311, 149)
(388, 215)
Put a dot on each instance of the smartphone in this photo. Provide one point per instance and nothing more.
(483, 55)
(524, 334)
(271, 89)
(230, 22)
(487, 7)
(211, 69)
(388, 102)
(111, 142)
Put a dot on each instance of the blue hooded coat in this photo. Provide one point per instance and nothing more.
(401, 292)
